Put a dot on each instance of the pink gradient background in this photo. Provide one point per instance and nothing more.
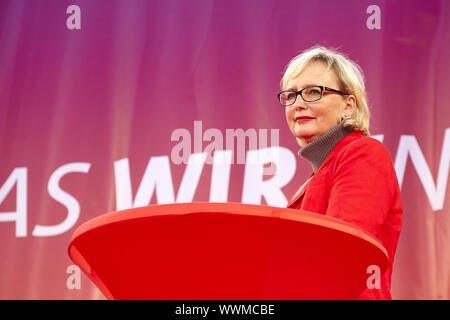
(138, 70)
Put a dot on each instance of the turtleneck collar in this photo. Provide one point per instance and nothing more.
(318, 150)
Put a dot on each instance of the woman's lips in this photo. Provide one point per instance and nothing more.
(303, 119)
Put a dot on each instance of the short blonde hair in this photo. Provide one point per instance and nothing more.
(349, 75)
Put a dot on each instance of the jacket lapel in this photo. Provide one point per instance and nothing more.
(346, 140)
(299, 192)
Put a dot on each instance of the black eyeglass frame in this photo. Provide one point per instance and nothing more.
(297, 93)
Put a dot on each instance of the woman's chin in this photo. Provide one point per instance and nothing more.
(304, 139)
(307, 138)
(303, 134)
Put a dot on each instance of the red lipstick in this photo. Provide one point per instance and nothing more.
(303, 119)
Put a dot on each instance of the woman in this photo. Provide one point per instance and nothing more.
(353, 179)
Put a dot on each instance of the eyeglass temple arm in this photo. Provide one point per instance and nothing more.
(334, 90)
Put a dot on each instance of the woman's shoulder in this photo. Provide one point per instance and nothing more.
(359, 144)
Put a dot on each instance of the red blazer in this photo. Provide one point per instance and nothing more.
(357, 183)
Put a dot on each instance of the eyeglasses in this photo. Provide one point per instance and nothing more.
(308, 94)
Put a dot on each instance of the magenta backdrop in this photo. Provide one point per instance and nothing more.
(137, 71)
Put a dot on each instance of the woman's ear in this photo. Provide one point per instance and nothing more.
(350, 104)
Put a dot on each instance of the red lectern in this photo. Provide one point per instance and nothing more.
(224, 251)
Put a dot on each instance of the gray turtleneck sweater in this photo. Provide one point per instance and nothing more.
(318, 150)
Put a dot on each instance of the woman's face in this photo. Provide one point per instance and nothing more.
(322, 115)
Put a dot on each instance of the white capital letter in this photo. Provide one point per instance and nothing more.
(19, 176)
(157, 176)
(436, 193)
(73, 208)
(191, 177)
(220, 176)
(255, 187)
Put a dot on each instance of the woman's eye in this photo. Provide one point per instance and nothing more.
(313, 92)
(291, 95)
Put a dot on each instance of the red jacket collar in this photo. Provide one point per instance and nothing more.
(339, 146)
(352, 136)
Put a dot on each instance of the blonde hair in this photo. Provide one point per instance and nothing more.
(349, 74)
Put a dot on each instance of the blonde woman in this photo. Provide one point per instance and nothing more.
(353, 177)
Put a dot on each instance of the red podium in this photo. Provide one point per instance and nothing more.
(224, 251)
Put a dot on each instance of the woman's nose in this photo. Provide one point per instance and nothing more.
(299, 103)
